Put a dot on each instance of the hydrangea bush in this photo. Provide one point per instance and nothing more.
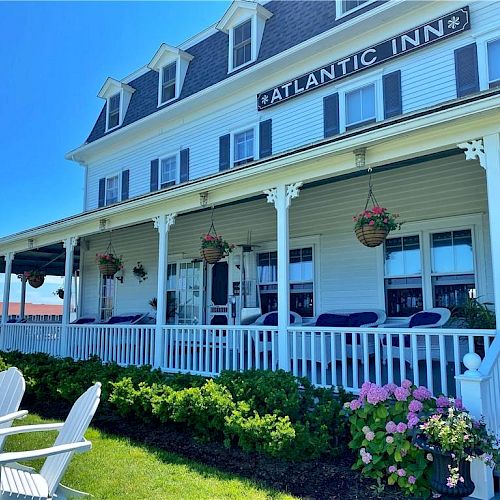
(382, 421)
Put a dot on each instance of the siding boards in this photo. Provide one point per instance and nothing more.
(348, 271)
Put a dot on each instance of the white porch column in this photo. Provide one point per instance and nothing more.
(69, 244)
(9, 258)
(22, 305)
(163, 223)
(281, 196)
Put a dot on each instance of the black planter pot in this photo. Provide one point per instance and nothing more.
(441, 472)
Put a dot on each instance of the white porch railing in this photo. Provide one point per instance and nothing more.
(32, 337)
(327, 356)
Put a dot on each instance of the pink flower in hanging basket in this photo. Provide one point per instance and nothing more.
(216, 241)
(378, 217)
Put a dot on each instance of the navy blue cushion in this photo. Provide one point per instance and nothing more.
(424, 318)
(122, 319)
(362, 318)
(329, 319)
(272, 319)
(83, 321)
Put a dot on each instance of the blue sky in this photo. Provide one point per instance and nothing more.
(55, 57)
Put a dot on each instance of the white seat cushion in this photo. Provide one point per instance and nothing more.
(20, 483)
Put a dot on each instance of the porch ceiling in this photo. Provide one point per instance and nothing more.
(50, 259)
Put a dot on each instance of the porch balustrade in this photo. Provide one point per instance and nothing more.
(327, 356)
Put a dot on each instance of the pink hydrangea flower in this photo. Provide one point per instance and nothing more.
(370, 436)
(413, 420)
(401, 473)
(442, 402)
(366, 458)
(391, 427)
(459, 404)
(376, 394)
(390, 388)
(401, 427)
(365, 429)
(401, 393)
(355, 404)
(412, 479)
(389, 440)
(392, 469)
(406, 384)
(415, 406)
(422, 393)
(364, 389)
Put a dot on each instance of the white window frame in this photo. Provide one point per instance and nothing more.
(256, 147)
(177, 62)
(424, 229)
(172, 154)
(339, 11)
(100, 297)
(253, 41)
(374, 78)
(482, 56)
(297, 244)
(118, 175)
(120, 110)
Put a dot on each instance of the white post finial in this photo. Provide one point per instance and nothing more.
(474, 150)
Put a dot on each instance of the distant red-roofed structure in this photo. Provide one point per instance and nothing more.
(36, 312)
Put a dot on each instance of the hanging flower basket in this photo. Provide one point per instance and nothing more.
(370, 236)
(108, 264)
(36, 281)
(213, 246)
(212, 255)
(60, 293)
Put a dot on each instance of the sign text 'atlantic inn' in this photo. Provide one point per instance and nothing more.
(433, 31)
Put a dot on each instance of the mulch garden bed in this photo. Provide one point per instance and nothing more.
(322, 479)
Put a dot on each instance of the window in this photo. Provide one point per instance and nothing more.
(301, 275)
(403, 276)
(112, 189)
(243, 146)
(168, 82)
(453, 280)
(168, 171)
(493, 49)
(106, 297)
(435, 268)
(348, 5)
(242, 44)
(113, 111)
(360, 106)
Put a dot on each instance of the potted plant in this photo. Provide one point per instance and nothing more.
(454, 438)
(108, 263)
(35, 278)
(214, 248)
(139, 272)
(153, 303)
(59, 293)
(372, 226)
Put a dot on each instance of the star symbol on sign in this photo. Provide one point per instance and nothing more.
(454, 22)
(264, 99)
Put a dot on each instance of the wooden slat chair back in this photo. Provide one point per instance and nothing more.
(73, 431)
(12, 387)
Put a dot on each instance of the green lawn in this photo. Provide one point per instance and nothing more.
(118, 469)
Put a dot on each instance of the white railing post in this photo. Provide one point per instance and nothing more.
(474, 394)
(22, 306)
(9, 258)
(69, 244)
(281, 196)
(162, 223)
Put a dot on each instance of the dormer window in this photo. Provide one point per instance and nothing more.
(171, 64)
(113, 111)
(117, 95)
(242, 44)
(168, 82)
(345, 7)
(244, 22)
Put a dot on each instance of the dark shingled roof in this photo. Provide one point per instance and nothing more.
(292, 23)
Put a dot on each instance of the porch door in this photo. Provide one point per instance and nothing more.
(217, 294)
(190, 297)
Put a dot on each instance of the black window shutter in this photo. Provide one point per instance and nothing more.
(125, 184)
(265, 138)
(331, 115)
(224, 152)
(391, 84)
(184, 169)
(102, 192)
(466, 70)
(153, 179)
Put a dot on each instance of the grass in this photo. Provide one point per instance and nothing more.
(119, 469)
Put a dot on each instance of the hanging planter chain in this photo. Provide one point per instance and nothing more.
(212, 254)
(371, 196)
(109, 268)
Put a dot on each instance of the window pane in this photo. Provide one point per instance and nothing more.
(494, 60)
(452, 252)
(242, 32)
(450, 291)
(402, 256)
(242, 43)
(168, 82)
(351, 4)
(243, 146)
(112, 184)
(403, 296)
(462, 251)
(353, 107)
(168, 171)
(360, 105)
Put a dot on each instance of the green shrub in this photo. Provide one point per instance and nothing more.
(3, 365)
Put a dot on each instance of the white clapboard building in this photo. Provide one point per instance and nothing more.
(268, 125)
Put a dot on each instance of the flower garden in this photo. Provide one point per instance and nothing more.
(276, 429)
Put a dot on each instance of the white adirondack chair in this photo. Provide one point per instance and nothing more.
(17, 481)
(12, 387)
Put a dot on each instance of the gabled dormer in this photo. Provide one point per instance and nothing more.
(244, 22)
(171, 64)
(117, 95)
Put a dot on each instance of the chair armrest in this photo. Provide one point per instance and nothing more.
(21, 429)
(13, 416)
(21, 456)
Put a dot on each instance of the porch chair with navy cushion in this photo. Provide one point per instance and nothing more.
(271, 319)
(124, 319)
(84, 320)
(343, 318)
(431, 318)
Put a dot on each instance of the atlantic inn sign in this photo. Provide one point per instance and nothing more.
(431, 32)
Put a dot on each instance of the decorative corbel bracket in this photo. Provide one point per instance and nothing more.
(474, 150)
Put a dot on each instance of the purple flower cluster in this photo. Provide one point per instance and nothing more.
(422, 393)
(365, 456)
(413, 420)
(401, 393)
(415, 406)
(391, 427)
(377, 394)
